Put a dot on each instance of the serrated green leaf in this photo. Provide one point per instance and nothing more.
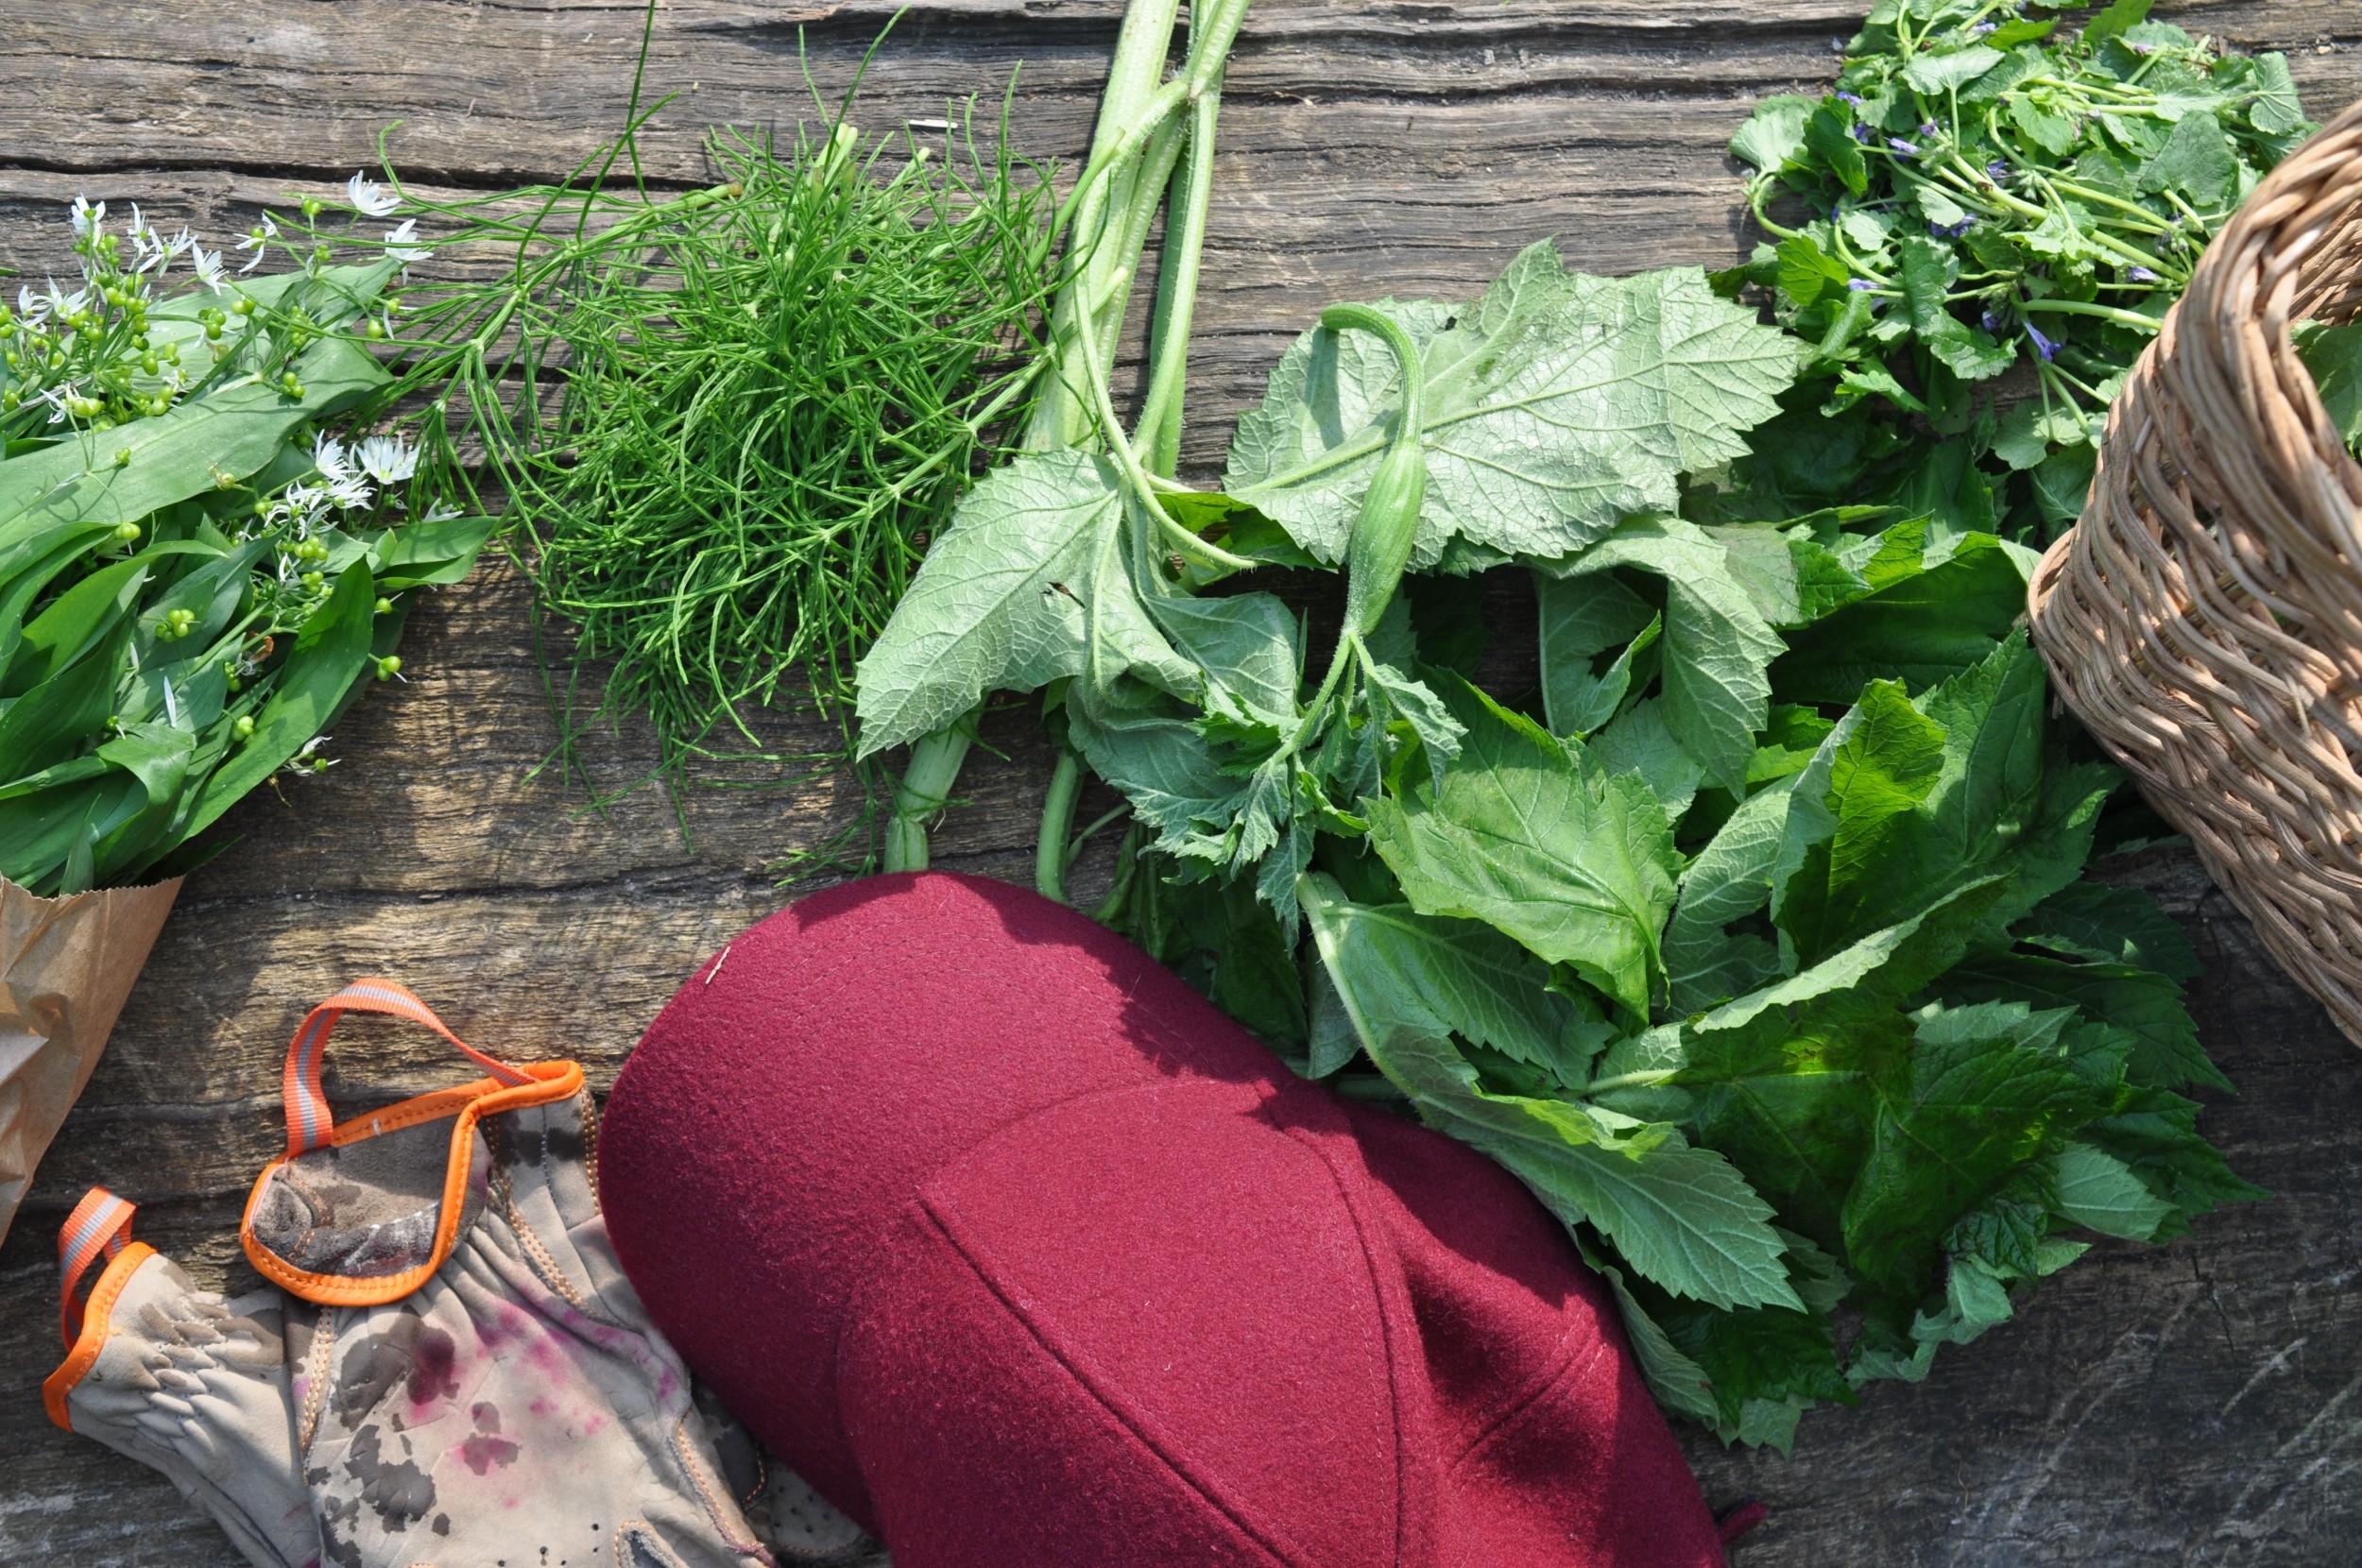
(1553, 405)
(1730, 879)
(1535, 840)
(1681, 1215)
(1717, 648)
(2111, 925)
(1027, 585)
(1924, 629)
(2099, 1192)
(1984, 1089)
(2148, 1006)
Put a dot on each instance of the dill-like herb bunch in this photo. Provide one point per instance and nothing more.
(726, 422)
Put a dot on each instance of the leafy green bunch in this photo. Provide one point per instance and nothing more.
(721, 425)
(1982, 194)
(1751, 937)
(194, 577)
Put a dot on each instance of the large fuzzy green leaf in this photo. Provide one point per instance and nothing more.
(1027, 585)
(1555, 405)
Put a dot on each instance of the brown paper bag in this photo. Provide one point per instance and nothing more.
(66, 965)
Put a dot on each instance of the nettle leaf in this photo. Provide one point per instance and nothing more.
(1028, 584)
(1984, 1089)
(1909, 801)
(2097, 1191)
(2147, 1006)
(1555, 405)
(1451, 977)
(1536, 839)
(1717, 647)
(2111, 925)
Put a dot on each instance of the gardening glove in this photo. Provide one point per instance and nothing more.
(183, 1382)
(473, 1378)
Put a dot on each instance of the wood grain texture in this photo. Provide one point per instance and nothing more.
(2195, 1404)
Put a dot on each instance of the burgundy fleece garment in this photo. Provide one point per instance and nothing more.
(1026, 1256)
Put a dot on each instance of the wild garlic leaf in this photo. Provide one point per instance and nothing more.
(1555, 405)
(1537, 841)
(1028, 584)
(1718, 646)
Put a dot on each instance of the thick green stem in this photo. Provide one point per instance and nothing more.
(1061, 418)
(925, 789)
(1177, 292)
(1057, 821)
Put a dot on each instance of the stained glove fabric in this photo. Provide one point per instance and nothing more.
(187, 1383)
(464, 1375)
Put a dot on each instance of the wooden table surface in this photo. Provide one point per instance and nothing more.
(2189, 1404)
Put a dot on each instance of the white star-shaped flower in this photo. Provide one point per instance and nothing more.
(259, 242)
(368, 198)
(400, 243)
(87, 216)
(387, 459)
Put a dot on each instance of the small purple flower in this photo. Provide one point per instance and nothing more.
(2043, 346)
(1862, 134)
(2142, 48)
(1927, 128)
(1983, 27)
(1994, 319)
(1859, 286)
(1996, 171)
(2140, 275)
(1854, 98)
(1950, 230)
(1903, 149)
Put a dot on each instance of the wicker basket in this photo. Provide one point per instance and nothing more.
(2204, 618)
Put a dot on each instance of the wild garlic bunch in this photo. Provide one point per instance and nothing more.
(195, 573)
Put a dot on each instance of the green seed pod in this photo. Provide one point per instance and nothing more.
(1383, 534)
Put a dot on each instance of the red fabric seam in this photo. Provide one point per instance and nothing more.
(1280, 1550)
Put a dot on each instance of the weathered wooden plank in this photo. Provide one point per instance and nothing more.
(2184, 1405)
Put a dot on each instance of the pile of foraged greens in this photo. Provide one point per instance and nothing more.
(722, 425)
(1980, 194)
(1754, 938)
(194, 579)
